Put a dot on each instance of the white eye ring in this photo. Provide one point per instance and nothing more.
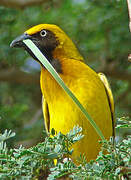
(43, 33)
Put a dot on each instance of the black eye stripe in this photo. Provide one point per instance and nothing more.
(48, 42)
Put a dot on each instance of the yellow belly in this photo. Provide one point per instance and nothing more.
(64, 114)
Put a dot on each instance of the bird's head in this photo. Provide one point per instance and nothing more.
(51, 40)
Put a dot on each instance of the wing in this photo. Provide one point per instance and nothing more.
(46, 114)
(110, 98)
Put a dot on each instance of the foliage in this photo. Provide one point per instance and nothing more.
(27, 163)
(38, 161)
(123, 122)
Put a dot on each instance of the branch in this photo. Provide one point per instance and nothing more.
(129, 11)
(121, 75)
(20, 3)
(116, 74)
(34, 119)
(17, 76)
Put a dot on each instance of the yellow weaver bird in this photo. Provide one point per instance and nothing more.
(91, 89)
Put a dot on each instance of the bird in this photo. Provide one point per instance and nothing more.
(90, 88)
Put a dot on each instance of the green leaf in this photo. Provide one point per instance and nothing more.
(56, 76)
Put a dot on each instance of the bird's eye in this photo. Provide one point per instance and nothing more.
(43, 33)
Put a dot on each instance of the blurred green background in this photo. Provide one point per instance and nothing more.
(99, 29)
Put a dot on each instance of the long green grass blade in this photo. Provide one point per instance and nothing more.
(56, 76)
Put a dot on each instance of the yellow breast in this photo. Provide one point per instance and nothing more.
(64, 115)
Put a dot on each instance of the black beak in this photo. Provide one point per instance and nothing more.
(18, 42)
